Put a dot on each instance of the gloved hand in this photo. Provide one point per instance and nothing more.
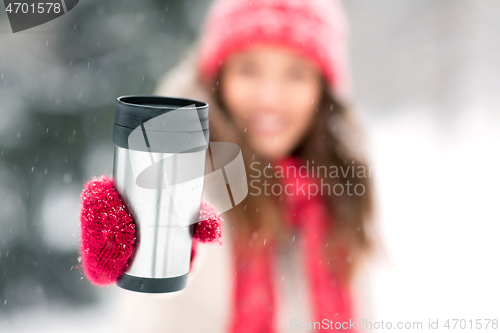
(108, 232)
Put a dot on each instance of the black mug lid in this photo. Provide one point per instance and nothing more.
(135, 110)
(161, 124)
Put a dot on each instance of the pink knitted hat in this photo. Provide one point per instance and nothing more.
(316, 29)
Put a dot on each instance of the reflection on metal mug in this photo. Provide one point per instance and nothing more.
(159, 165)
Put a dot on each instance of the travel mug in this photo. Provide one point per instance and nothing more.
(160, 149)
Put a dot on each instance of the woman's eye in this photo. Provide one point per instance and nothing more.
(297, 75)
(247, 70)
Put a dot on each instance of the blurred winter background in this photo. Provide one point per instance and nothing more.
(426, 79)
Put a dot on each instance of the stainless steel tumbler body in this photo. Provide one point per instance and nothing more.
(159, 164)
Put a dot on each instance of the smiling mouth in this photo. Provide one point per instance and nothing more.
(267, 124)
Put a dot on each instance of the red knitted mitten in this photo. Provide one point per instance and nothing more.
(108, 231)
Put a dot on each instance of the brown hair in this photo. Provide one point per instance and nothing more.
(334, 139)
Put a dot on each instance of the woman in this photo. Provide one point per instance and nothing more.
(274, 75)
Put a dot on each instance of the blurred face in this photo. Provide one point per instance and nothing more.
(272, 94)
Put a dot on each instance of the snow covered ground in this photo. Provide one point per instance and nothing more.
(439, 217)
(60, 319)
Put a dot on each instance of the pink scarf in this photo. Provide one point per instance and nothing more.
(253, 298)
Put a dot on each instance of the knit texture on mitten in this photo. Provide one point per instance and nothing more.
(107, 232)
(209, 229)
